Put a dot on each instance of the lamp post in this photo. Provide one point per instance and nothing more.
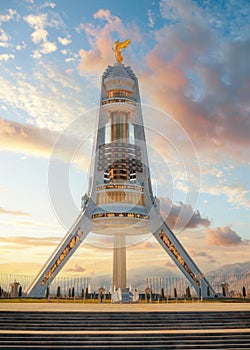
(200, 277)
(148, 294)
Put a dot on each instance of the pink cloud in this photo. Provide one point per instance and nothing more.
(181, 215)
(106, 14)
(26, 138)
(202, 83)
(19, 242)
(209, 258)
(224, 236)
(76, 268)
(101, 38)
(39, 142)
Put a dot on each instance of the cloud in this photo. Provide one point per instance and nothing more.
(4, 38)
(19, 242)
(176, 11)
(101, 39)
(209, 258)
(201, 80)
(146, 243)
(182, 215)
(48, 4)
(9, 16)
(36, 54)
(76, 268)
(39, 142)
(26, 223)
(39, 35)
(151, 18)
(21, 46)
(237, 195)
(26, 138)
(5, 57)
(50, 98)
(224, 236)
(13, 212)
(69, 59)
(48, 47)
(20, 269)
(38, 22)
(64, 41)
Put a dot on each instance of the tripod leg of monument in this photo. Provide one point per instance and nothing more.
(60, 256)
(181, 258)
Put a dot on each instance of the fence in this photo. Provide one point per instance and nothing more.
(65, 283)
(232, 285)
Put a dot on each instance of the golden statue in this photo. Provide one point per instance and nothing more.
(119, 48)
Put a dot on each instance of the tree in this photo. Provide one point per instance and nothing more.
(70, 294)
(175, 293)
(58, 294)
(47, 292)
(244, 292)
(73, 292)
(188, 293)
(20, 291)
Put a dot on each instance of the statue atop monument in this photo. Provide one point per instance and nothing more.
(119, 48)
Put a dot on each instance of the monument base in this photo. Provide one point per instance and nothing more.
(125, 296)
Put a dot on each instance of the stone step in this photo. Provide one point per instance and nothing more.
(35, 330)
(122, 321)
(51, 327)
(128, 341)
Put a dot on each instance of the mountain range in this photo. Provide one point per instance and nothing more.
(138, 277)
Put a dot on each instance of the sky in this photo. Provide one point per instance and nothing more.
(192, 62)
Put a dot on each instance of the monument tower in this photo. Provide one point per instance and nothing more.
(120, 200)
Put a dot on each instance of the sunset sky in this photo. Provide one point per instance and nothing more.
(192, 62)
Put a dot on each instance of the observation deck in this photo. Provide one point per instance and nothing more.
(121, 103)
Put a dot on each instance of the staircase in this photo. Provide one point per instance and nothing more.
(125, 330)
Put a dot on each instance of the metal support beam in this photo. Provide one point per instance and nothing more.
(182, 259)
(60, 256)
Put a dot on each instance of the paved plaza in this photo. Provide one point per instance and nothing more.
(140, 307)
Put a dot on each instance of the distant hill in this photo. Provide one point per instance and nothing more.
(232, 269)
(136, 277)
(236, 275)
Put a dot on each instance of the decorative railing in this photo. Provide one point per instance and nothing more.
(119, 100)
